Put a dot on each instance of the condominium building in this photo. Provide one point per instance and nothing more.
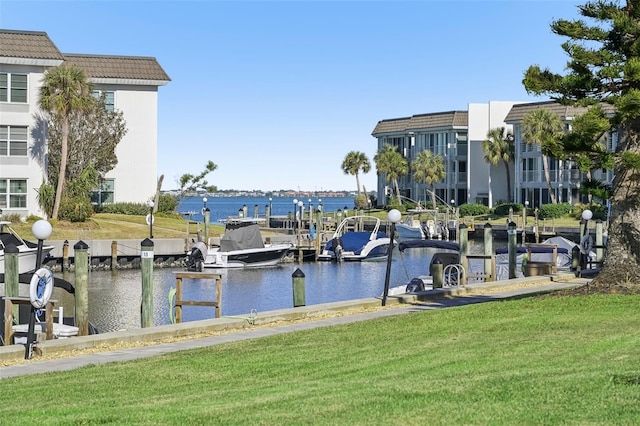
(130, 85)
(457, 137)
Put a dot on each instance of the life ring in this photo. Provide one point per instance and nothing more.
(40, 288)
(586, 244)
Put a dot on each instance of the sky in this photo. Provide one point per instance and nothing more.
(276, 94)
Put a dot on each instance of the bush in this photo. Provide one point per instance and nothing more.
(361, 201)
(12, 217)
(134, 209)
(75, 209)
(167, 204)
(554, 211)
(599, 211)
(473, 209)
(503, 209)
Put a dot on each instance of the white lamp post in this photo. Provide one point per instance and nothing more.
(394, 217)
(41, 229)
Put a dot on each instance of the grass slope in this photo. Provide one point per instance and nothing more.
(544, 360)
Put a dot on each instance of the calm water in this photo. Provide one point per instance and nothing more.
(223, 207)
(115, 296)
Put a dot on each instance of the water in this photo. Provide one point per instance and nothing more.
(223, 207)
(115, 296)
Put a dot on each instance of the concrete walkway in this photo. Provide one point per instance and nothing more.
(204, 333)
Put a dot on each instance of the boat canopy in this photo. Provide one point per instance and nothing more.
(439, 244)
(245, 237)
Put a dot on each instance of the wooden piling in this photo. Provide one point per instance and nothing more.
(65, 256)
(11, 272)
(81, 256)
(114, 255)
(488, 246)
(146, 264)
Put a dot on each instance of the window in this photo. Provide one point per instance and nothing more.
(13, 141)
(13, 87)
(104, 193)
(109, 98)
(13, 193)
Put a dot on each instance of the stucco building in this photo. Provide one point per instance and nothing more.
(130, 84)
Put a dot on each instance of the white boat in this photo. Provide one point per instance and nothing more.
(413, 229)
(450, 255)
(538, 254)
(27, 250)
(241, 246)
(350, 242)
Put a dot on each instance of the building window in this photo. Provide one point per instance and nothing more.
(13, 87)
(13, 141)
(13, 193)
(109, 98)
(104, 193)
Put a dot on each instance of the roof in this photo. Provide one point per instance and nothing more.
(36, 45)
(519, 111)
(120, 67)
(28, 44)
(423, 121)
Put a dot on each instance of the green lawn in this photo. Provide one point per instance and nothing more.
(545, 360)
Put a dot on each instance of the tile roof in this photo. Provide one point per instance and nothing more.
(124, 67)
(519, 111)
(27, 44)
(423, 122)
(38, 45)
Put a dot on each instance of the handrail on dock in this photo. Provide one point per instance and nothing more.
(179, 303)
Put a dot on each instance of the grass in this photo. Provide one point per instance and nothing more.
(544, 360)
(103, 226)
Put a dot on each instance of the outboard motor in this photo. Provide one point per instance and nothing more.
(336, 248)
(195, 257)
(415, 285)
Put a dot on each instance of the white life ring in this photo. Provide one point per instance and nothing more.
(42, 280)
(586, 244)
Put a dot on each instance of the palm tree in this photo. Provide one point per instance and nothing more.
(353, 163)
(543, 128)
(390, 162)
(428, 168)
(65, 89)
(498, 147)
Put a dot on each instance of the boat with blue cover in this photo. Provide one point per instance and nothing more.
(351, 242)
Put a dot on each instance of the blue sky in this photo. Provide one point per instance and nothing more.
(277, 93)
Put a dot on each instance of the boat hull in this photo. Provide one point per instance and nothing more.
(248, 258)
(26, 259)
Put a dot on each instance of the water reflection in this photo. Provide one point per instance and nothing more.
(115, 296)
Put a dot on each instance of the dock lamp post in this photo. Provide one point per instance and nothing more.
(300, 254)
(394, 217)
(346, 211)
(41, 229)
(150, 219)
(586, 242)
(270, 205)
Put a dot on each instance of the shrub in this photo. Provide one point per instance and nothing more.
(554, 211)
(12, 217)
(473, 209)
(361, 201)
(75, 209)
(167, 204)
(599, 211)
(503, 209)
(135, 209)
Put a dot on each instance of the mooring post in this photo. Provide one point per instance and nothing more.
(114, 254)
(512, 248)
(207, 221)
(255, 211)
(81, 250)
(65, 256)
(267, 215)
(488, 249)
(437, 272)
(11, 279)
(146, 264)
(298, 281)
